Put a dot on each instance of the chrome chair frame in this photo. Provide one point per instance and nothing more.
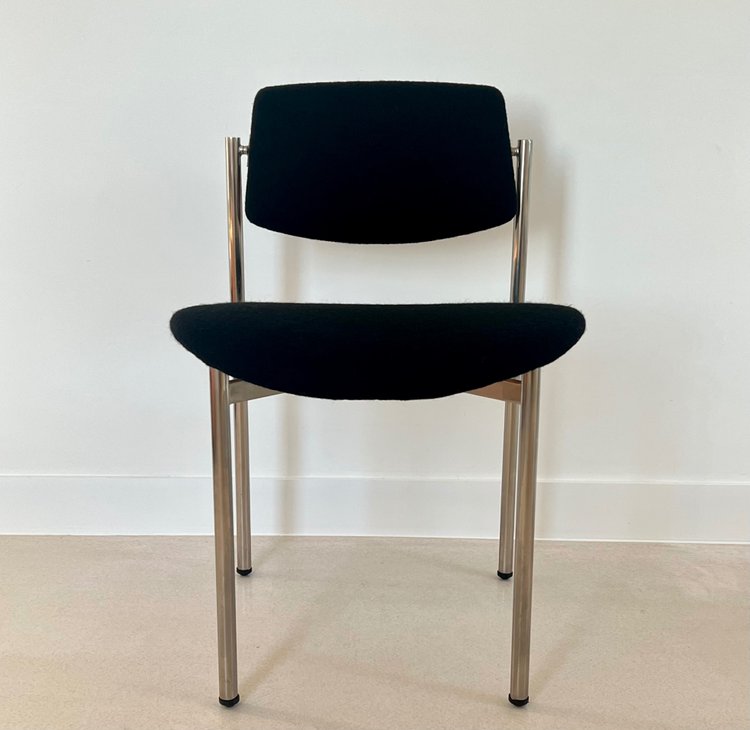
(518, 490)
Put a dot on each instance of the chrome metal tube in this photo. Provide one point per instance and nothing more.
(242, 490)
(524, 564)
(521, 222)
(517, 294)
(234, 218)
(508, 493)
(233, 152)
(224, 539)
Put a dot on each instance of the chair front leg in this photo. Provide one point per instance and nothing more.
(508, 491)
(242, 487)
(524, 563)
(224, 539)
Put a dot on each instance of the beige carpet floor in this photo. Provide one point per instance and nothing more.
(366, 633)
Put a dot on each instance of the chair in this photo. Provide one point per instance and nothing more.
(378, 162)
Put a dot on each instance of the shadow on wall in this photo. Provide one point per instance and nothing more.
(552, 172)
(550, 248)
(289, 433)
(407, 272)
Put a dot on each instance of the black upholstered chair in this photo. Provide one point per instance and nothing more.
(378, 162)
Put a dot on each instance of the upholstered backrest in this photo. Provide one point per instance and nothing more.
(379, 161)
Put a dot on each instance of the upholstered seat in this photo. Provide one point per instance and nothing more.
(376, 351)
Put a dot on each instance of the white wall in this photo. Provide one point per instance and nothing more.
(111, 134)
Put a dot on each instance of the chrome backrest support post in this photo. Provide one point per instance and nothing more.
(233, 151)
(522, 153)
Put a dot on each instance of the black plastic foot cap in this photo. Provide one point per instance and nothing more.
(230, 703)
(518, 703)
(244, 572)
(504, 576)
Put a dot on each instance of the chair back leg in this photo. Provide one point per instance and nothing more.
(508, 491)
(242, 488)
(224, 539)
(524, 560)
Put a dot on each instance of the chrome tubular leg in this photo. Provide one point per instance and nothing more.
(524, 565)
(508, 493)
(242, 487)
(224, 539)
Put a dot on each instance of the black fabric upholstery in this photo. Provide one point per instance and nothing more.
(379, 161)
(376, 351)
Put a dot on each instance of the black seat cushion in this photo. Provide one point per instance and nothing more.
(376, 351)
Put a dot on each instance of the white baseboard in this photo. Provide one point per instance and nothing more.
(583, 510)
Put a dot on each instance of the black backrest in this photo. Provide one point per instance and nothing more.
(379, 161)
